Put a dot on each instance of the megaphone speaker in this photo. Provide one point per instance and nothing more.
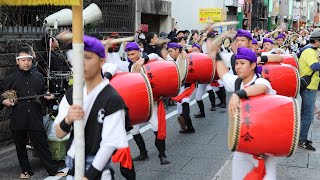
(62, 17)
(91, 14)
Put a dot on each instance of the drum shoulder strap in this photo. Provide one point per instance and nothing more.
(233, 64)
(69, 95)
(238, 82)
(110, 100)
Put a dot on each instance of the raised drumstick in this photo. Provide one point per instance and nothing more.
(68, 36)
(116, 41)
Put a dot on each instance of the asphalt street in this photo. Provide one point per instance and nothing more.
(192, 156)
(203, 155)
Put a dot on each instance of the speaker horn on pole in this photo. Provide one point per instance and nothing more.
(60, 18)
(91, 14)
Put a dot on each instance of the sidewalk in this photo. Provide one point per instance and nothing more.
(302, 165)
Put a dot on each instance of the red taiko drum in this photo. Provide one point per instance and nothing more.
(265, 124)
(285, 79)
(135, 90)
(198, 67)
(290, 59)
(164, 78)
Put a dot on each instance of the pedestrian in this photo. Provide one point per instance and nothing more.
(309, 65)
(26, 116)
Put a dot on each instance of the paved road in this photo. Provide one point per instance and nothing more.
(200, 156)
(192, 156)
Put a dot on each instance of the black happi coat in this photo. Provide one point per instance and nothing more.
(109, 100)
(26, 114)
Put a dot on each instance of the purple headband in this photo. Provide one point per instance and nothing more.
(132, 46)
(280, 37)
(283, 35)
(197, 46)
(248, 54)
(94, 45)
(267, 40)
(243, 33)
(211, 35)
(173, 45)
(254, 41)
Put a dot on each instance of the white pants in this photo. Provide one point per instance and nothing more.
(201, 89)
(153, 121)
(106, 175)
(243, 163)
(187, 100)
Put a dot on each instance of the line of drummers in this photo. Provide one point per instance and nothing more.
(174, 69)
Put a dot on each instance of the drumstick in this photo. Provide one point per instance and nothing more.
(119, 40)
(68, 36)
(162, 41)
(218, 40)
(65, 35)
(224, 24)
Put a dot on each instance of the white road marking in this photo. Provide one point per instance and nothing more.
(168, 116)
(219, 173)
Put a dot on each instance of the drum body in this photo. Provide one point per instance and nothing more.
(266, 124)
(164, 77)
(198, 67)
(285, 79)
(290, 59)
(135, 90)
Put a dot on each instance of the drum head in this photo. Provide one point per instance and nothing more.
(234, 129)
(275, 35)
(294, 37)
(226, 42)
(295, 139)
(183, 67)
(294, 55)
(150, 95)
(179, 78)
(298, 81)
(284, 48)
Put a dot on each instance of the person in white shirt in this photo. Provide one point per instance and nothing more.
(104, 115)
(137, 59)
(251, 85)
(268, 46)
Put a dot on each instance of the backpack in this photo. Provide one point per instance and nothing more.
(305, 81)
(304, 48)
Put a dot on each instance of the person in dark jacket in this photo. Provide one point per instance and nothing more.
(151, 46)
(26, 117)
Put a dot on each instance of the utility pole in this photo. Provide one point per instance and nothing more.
(290, 19)
(240, 13)
(270, 8)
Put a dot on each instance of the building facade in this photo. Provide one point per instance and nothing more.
(154, 13)
(186, 13)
